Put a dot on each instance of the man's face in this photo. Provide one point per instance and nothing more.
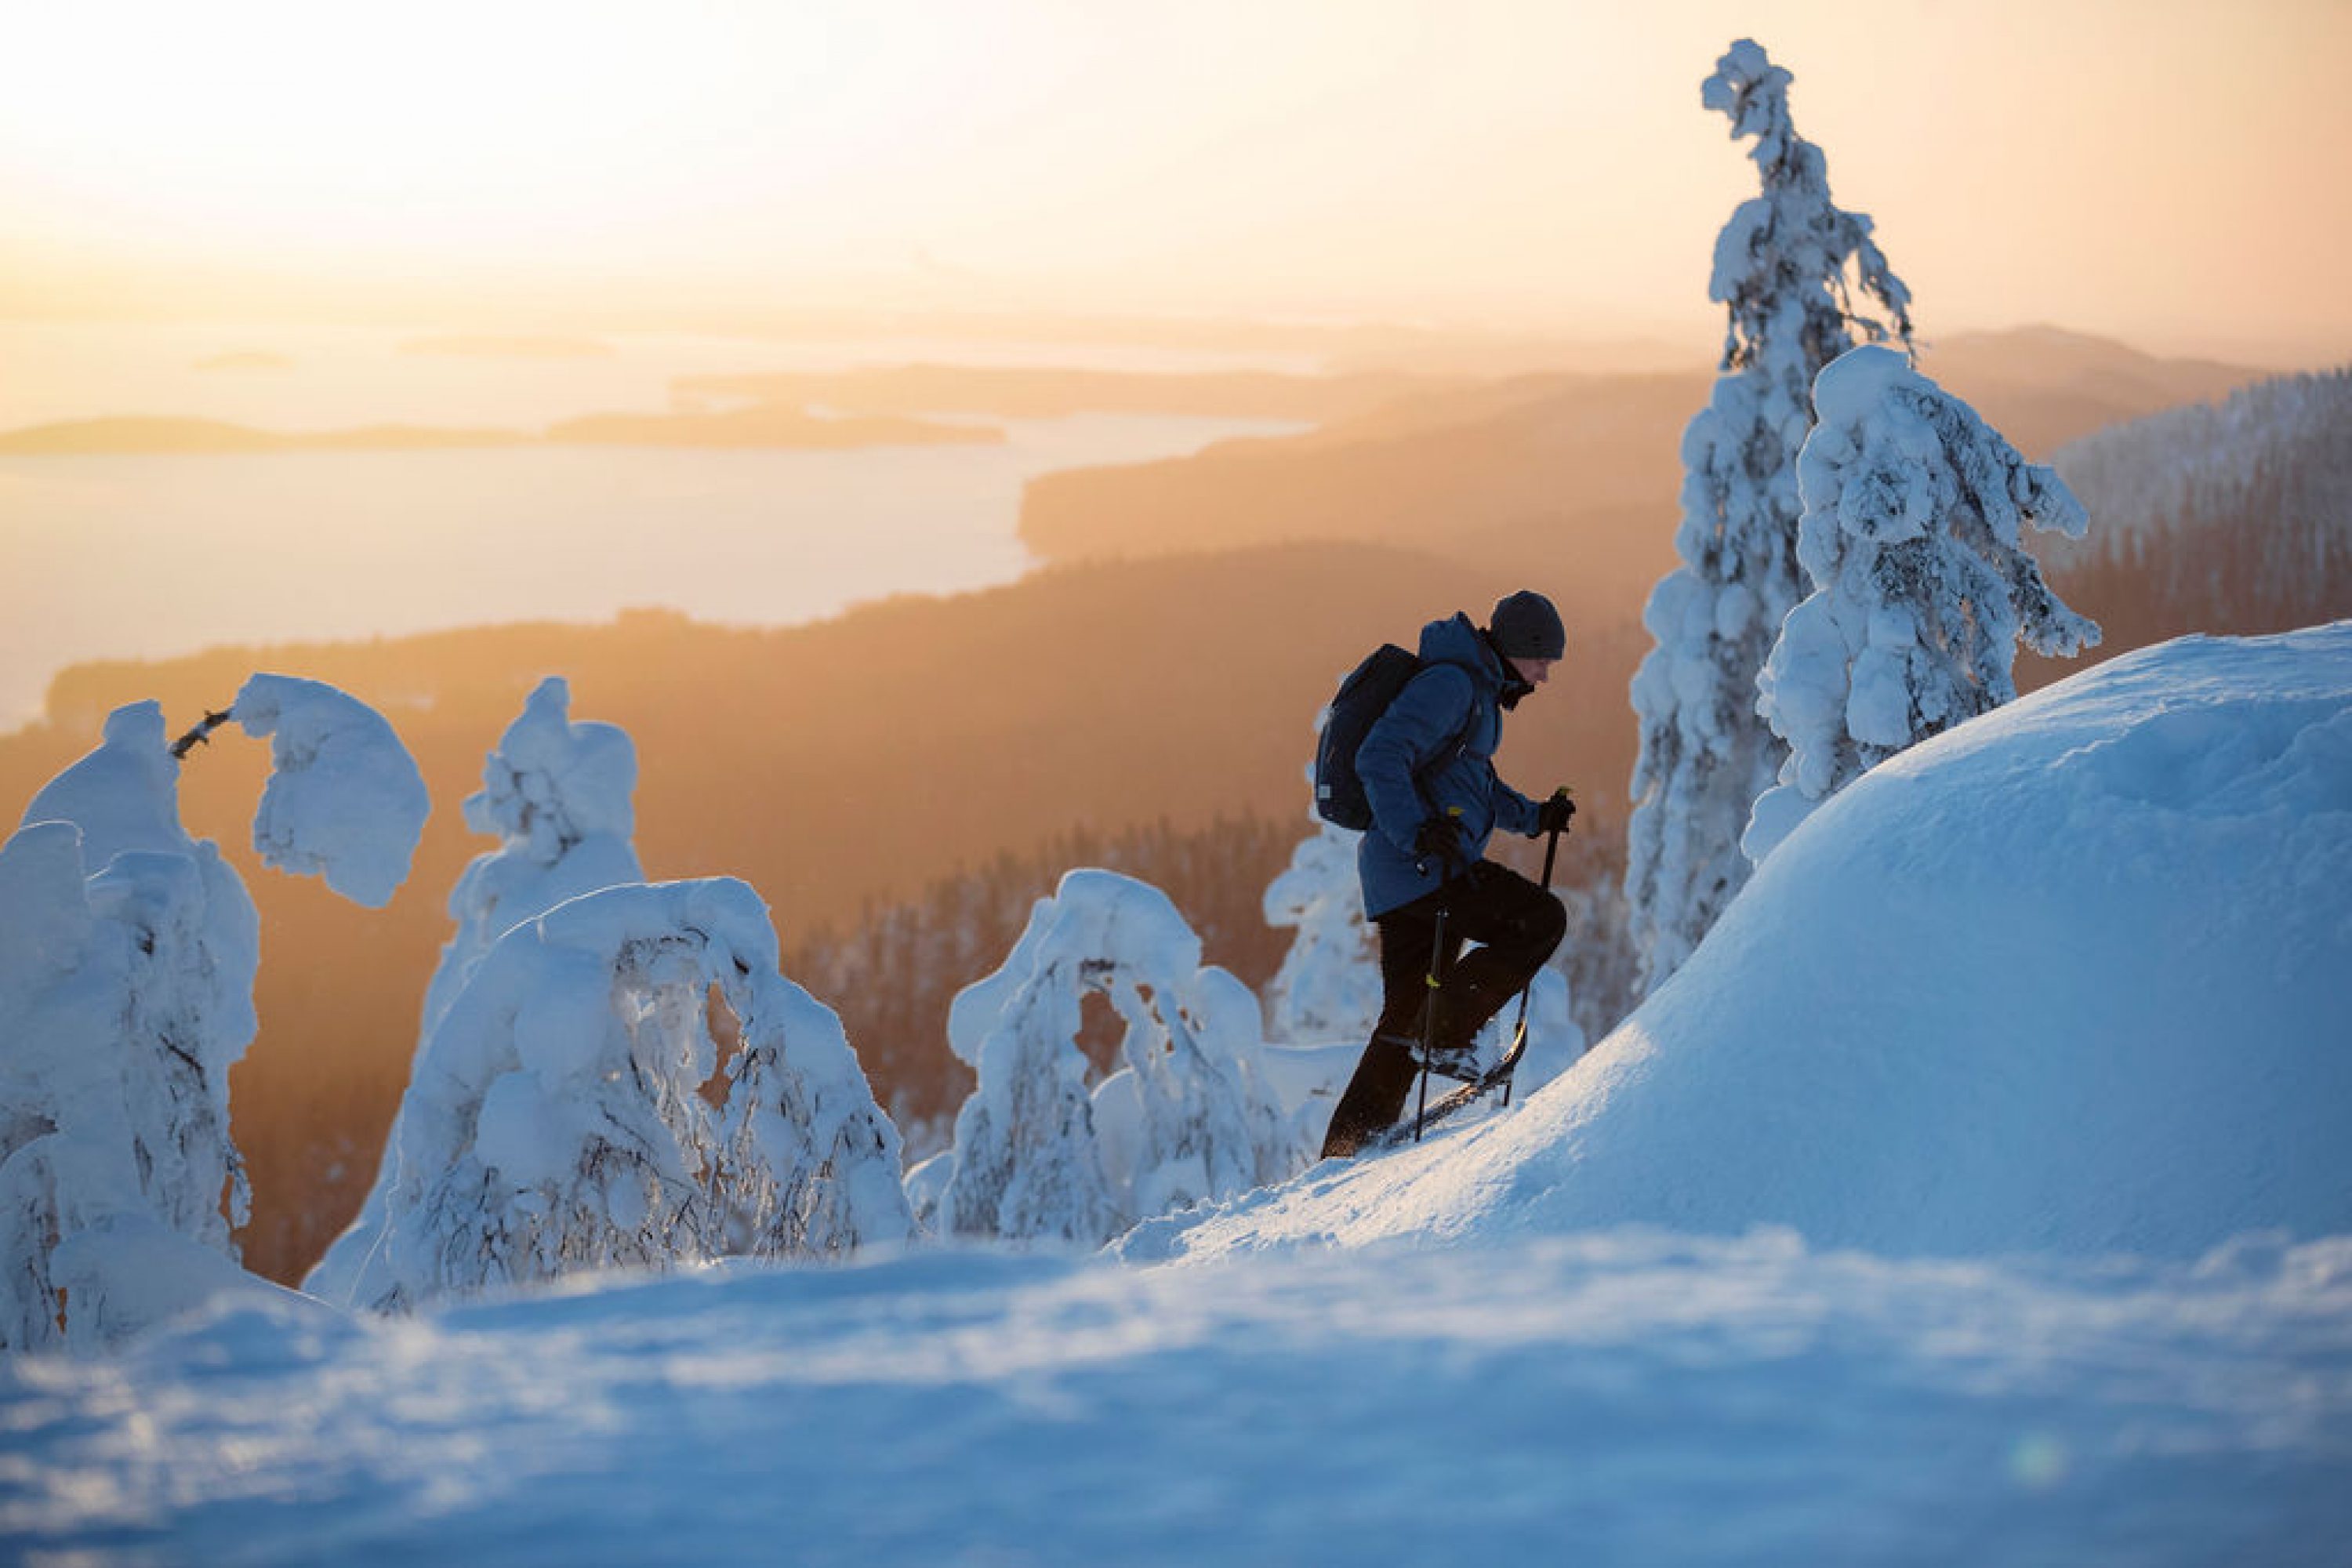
(1534, 671)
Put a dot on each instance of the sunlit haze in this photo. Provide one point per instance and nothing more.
(2165, 171)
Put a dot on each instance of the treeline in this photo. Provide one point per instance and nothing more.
(892, 972)
(2233, 517)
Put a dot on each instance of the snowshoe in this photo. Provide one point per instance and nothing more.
(1468, 1093)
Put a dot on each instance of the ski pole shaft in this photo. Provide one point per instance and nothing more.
(1551, 857)
(1429, 1015)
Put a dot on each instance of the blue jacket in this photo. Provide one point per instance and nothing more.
(1442, 732)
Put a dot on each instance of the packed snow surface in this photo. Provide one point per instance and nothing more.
(1975, 1194)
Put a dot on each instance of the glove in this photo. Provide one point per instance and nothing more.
(1440, 839)
(1552, 815)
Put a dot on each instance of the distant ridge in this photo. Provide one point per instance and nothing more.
(136, 434)
(1498, 466)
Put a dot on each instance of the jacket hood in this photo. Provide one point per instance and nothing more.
(1458, 641)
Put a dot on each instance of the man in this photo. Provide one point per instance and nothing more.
(1428, 772)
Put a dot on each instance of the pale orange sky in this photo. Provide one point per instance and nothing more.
(2167, 171)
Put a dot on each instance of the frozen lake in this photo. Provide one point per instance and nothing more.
(151, 556)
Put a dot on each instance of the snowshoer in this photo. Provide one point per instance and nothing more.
(1428, 772)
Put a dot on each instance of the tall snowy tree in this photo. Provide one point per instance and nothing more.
(1029, 1161)
(1786, 268)
(1922, 584)
(128, 952)
(562, 1118)
(556, 795)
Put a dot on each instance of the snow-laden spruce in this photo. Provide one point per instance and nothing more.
(1781, 274)
(128, 952)
(556, 795)
(1191, 1116)
(1923, 588)
(1329, 987)
(561, 1116)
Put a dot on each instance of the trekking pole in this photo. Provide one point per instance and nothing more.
(1551, 853)
(1429, 1018)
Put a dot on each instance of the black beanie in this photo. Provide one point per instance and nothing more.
(1524, 626)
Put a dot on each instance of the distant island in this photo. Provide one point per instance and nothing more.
(251, 359)
(907, 405)
(489, 347)
(135, 435)
(767, 426)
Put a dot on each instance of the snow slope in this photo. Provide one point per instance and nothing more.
(1903, 1227)
(2074, 976)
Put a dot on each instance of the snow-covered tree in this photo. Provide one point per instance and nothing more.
(1190, 1117)
(1786, 268)
(128, 952)
(561, 1115)
(556, 795)
(1922, 585)
(1329, 987)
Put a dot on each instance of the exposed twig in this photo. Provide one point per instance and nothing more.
(200, 734)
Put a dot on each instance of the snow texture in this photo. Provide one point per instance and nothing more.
(2071, 977)
(1196, 1121)
(1624, 1397)
(1922, 585)
(556, 795)
(558, 1121)
(1782, 271)
(127, 959)
(344, 799)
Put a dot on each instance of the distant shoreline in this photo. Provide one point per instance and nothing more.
(759, 428)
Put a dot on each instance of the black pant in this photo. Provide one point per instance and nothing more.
(1516, 923)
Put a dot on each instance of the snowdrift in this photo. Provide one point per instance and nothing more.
(2074, 977)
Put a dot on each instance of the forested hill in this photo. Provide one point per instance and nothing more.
(1501, 469)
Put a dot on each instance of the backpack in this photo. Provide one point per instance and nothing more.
(1355, 708)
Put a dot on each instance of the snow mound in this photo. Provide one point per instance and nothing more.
(2071, 977)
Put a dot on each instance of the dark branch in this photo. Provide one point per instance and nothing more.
(200, 734)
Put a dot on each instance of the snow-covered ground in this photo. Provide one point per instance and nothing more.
(1981, 1190)
(1616, 1397)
